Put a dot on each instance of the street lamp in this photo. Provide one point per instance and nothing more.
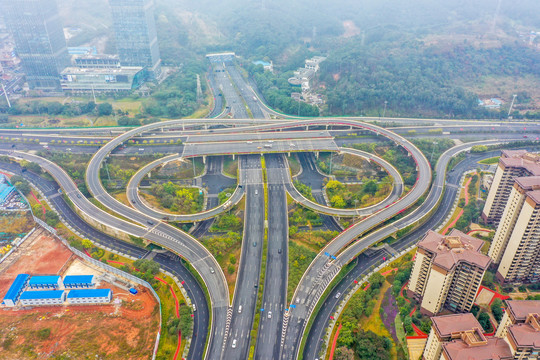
(432, 150)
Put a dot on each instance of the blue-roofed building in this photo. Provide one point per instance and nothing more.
(5, 188)
(79, 281)
(16, 289)
(44, 297)
(45, 282)
(90, 296)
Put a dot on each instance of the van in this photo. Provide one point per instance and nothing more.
(240, 309)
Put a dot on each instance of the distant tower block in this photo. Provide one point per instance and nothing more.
(136, 37)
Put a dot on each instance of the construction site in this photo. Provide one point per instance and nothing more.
(126, 328)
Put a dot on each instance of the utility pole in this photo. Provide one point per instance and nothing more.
(199, 89)
(385, 104)
(5, 94)
(511, 105)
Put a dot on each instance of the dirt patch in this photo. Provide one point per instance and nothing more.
(350, 29)
(39, 254)
(125, 329)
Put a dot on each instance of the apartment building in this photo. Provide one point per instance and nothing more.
(520, 327)
(447, 272)
(447, 328)
(512, 164)
(516, 245)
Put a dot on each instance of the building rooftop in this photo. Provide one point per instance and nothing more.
(528, 182)
(456, 247)
(124, 70)
(46, 294)
(88, 293)
(44, 280)
(520, 309)
(446, 325)
(16, 286)
(492, 348)
(527, 334)
(522, 159)
(78, 279)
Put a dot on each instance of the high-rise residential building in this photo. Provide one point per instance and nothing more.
(136, 37)
(447, 272)
(512, 164)
(520, 327)
(516, 245)
(39, 40)
(447, 328)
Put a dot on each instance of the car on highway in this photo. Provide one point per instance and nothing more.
(233, 344)
(249, 142)
(256, 192)
(150, 222)
(194, 307)
(269, 314)
(212, 270)
(338, 295)
(279, 251)
(254, 244)
(240, 309)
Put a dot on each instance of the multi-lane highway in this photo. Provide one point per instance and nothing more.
(246, 287)
(275, 280)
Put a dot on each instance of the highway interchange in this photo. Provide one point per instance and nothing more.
(281, 326)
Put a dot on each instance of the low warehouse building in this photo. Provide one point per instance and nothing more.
(79, 281)
(45, 297)
(16, 289)
(90, 296)
(45, 282)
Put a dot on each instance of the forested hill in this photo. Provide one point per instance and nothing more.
(416, 80)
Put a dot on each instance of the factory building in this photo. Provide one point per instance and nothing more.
(16, 289)
(43, 297)
(90, 296)
(45, 282)
(79, 281)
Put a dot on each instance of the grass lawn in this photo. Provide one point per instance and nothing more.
(490, 161)
(294, 164)
(230, 166)
(300, 257)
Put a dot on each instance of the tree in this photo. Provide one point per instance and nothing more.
(371, 346)
(371, 187)
(484, 321)
(496, 309)
(337, 202)
(23, 186)
(344, 353)
(105, 109)
(87, 244)
(51, 218)
(147, 266)
(127, 121)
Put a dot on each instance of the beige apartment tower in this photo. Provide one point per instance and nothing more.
(516, 245)
(512, 164)
(520, 328)
(447, 272)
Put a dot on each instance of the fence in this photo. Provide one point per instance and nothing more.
(109, 269)
(16, 245)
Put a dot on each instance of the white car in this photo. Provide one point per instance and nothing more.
(233, 344)
(269, 314)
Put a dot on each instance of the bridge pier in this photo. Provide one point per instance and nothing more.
(317, 155)
(204, 159)
(233, 156)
